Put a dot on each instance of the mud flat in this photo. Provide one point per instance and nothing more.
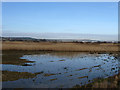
(50, 46)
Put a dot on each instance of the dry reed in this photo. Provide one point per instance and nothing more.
(46, 46)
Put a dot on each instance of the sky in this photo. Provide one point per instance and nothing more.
(64, 19)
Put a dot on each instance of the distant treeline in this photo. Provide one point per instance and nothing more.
(28, 39)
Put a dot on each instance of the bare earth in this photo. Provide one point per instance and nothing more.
(46, 46)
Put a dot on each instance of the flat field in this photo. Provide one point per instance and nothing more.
(50, 46)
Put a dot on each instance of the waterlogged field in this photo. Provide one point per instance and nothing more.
(34, 69)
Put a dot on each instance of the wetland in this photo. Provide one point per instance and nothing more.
(48, 69)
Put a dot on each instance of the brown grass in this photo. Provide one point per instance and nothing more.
(12, 75)
(53, 79)
(81, 69)
(46, 75)
(46, 46)
(110, 82)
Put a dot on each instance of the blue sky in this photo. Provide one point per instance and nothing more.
(60, 17)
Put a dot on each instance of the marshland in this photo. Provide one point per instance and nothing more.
(60, 65)
(60, 45)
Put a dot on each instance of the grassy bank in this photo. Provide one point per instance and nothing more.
(12, 75)
(49, 46)
(110, 82)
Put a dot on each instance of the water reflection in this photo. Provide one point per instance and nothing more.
(57, 69)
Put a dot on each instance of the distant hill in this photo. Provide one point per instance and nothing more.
(17, 38)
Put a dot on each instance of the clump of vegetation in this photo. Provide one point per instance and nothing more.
(62, 60)
(46, 75)
(26, 64)
(81, 69)
(97, 66)
(53, 79)
(40, 72)
(83, 77)
(65, 68)
(51, 61)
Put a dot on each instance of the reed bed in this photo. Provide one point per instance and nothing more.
(49, 46)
